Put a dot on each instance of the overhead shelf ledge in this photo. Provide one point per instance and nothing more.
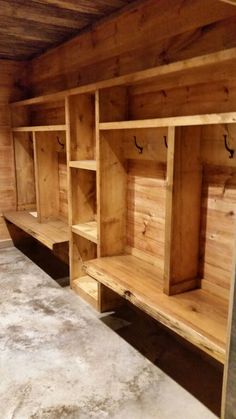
(40, 128)
(178, 121)
(216, 58)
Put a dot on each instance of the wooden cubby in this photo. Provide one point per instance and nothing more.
(165, 249)
(25, 171)
(47, 116)
(162, 244)
(39, 134)
(152, 195)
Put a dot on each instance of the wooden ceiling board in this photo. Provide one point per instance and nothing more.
(233, 2)
(30, 27)
(98, 7)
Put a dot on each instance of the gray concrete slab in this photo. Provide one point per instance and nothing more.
(58, 360)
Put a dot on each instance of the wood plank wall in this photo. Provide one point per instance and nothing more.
(218, 218)
(152, 33)
(10, 89)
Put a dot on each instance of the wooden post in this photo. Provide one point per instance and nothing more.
(183, 201)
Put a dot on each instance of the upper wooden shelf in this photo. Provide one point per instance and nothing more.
(178, 121)
(40, 128)
(224, 56)
(197, 316)
(87, 230)
(84, 164)
(49, 233)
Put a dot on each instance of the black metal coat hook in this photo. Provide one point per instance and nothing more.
(165, 141)
(230, 150)
(61, 144)
(140, 149)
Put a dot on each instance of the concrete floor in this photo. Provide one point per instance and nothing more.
(58, 360)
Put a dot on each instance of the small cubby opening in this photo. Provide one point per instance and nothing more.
(82, 128)
(132, 183)
(25, 171)
(202, 210)
(114, 104)
(41, 175)
(84, 203)
(38, 115)
(51, 175)
(218, 208)
(82, 250)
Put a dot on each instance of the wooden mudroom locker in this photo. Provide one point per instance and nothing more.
(118, 209)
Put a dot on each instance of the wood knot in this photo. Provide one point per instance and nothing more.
(128, 294)
(194, 309)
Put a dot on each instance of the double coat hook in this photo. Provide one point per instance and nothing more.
(140, 149)
(230, 150)
(60, 143)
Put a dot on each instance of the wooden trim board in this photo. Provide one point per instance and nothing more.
(40, 128)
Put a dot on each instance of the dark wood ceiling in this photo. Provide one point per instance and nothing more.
(30, 27)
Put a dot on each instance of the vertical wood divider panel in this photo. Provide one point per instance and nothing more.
(97, 156)
(169, 208)
(46, 166)
(68, 158)
(112, 175)
(36, 169)
(25, 174)
(183, 203)
(113, 188)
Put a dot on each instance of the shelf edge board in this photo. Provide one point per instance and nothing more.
(39, 128)
(178, 121)
(175, 67)
(83, 164)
